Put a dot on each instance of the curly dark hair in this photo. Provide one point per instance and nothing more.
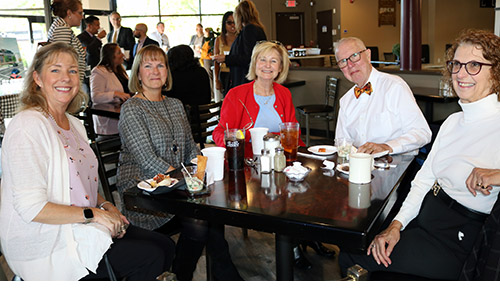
(60, 7)
(488, 43)
(181, 57)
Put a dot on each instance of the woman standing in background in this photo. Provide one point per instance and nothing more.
(250, 31)
(69, 14)
(223, 45)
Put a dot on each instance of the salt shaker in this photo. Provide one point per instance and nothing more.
(265, 161)
(279, 159)
(271, 142)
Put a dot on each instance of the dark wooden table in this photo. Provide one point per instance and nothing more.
(431, 96)
(106, 110)
(324, 207)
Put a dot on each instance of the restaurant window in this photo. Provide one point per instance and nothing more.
(180, 17)
(22, 26)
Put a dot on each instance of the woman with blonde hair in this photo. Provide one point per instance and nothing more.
(53, 223)
(250, 30)
(264, 102)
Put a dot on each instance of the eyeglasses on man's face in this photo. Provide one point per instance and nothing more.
(471, 67)
(355, 57)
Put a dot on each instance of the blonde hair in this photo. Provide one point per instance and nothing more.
(153, 53)
(32, 96)
(266, 47)
(246, 13)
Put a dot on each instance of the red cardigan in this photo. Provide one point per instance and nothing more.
(234, 115)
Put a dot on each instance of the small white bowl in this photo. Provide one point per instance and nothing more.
(293, 176)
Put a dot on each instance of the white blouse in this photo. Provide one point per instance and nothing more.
(466, 140)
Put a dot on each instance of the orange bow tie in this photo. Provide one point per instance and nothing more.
(366, 89)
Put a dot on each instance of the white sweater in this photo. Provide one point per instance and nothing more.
(466, 140)
(35, 172)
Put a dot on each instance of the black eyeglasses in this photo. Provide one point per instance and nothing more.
(274, 42)
(230, 22)
(355, 57)
(471, 67)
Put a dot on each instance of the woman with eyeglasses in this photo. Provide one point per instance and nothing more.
(223, 45)
(264, 102)
(250, 30)
(453, 193)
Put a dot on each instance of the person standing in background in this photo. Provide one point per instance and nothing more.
(197, 41)
(140, 33)
(223, 46)
(160, 36)
(91, 42)
(250, 31)
(69, 14)
(123, 36)
(207, 51)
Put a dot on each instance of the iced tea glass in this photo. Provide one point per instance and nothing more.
(289, 136)
(235, 148)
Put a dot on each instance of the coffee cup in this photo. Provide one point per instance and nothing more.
(257, 134)
(360, 168)
(215, 163)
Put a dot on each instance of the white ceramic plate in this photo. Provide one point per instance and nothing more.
(343, 168)
(194, 161)
(328, 150)
(146, 187)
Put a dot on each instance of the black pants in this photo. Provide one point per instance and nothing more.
(140, 255)
(195, 235)
(434, 245)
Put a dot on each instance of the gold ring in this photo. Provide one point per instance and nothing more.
(373, 245)
(479, 184)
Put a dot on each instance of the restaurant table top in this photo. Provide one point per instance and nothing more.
(324, 207)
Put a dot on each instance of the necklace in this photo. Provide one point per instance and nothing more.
(61, 132)
(174, 147)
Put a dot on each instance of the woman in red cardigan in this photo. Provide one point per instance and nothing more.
(264, 102)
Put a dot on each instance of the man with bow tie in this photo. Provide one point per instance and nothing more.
(379, 113)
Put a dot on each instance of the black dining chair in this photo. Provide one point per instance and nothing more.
(108, 154)
(327, 111)
(203, 119)
(86, 117)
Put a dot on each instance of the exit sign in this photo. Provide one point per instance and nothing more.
(291, 3)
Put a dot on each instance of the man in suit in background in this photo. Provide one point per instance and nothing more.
(91, 42)
(123, 36)
(143, 40)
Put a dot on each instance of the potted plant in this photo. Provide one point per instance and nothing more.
(396, 50)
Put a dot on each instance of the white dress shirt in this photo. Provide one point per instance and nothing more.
(162, 39)
(466, 140)
(390, 115)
